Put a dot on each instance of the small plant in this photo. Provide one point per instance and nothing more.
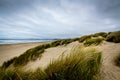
(117, 60)
(95, 41)
(83, 38)
(103, 34)
(8, 63)
(113, 37)
(29, 55)
(56, 43)
(61, 42)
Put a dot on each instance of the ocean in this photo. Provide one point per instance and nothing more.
(15, 41)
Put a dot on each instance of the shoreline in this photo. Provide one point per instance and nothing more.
(25, 43)
(9, 51)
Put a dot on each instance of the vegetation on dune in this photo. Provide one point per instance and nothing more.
(30, 55)
(8, 63)
(117, 60)
(83, 38)
(91, 41)
(102, 34)
(81, 64)
(63, 42)
(113, 37)
(15, 75)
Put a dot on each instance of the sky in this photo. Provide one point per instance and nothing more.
(22, 19)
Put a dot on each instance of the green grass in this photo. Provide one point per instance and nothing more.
(81, 64)
(62, 42)
(113, 37)
(102, 34)
(93, 41)
(6, 64)
(83, 38)
(117, 60)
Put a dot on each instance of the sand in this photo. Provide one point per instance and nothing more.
(109, 70)
(8, 51)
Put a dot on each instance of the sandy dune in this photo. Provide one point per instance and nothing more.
(109, 70)
(9, 51)
(51, 54)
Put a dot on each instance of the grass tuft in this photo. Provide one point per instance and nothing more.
(93, 41)
(113, 37)
(83, 38)
(117, 60)
(102, 34)
(8, 63)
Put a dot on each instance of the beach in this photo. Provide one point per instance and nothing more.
(8, 51)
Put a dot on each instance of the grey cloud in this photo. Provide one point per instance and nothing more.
(57, 18)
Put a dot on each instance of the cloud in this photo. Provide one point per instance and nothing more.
(57, 19)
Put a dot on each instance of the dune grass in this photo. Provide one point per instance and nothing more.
(102, 34)
(83, 38)
(63, 42)
(17, 74)
(30, 55)
(6, 64)
(93, 41)
(113, 37)
(117, 60)
(81, 64)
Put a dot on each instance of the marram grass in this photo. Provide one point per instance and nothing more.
(93, 41)
(117, 60)
(81, 64)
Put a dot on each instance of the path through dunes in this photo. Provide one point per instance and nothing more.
(109, 70)
(9, 51)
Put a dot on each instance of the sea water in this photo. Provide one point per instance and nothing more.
(15, 41)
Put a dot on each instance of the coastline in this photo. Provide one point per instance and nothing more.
(8, 51)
